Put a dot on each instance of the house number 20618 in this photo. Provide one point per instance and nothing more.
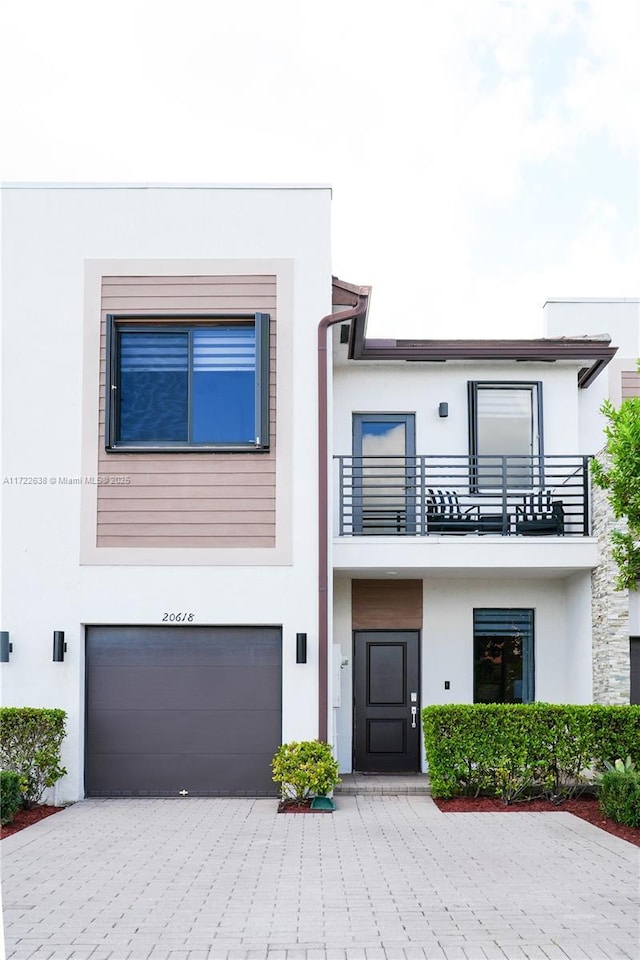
(177, 617)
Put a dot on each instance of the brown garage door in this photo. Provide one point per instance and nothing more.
(182, 708)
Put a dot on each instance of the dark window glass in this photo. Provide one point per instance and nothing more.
(203, 385)
(154, 378)
(503, 669)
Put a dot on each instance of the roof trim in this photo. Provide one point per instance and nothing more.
(595, 352)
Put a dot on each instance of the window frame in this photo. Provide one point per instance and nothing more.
(183, 322)
(473, 386)
(528, 651)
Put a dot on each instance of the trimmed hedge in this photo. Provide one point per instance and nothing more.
(30, 743)
(513, 749)
(10, 795)
(619, 796)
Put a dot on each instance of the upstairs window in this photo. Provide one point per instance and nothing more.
(505, 427)
(199, 384)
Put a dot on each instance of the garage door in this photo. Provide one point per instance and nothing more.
(195, 709)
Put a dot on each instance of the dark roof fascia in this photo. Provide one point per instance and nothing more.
(595, 353)
(345, 294)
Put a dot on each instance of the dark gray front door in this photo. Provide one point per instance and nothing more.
(387, 673)
(172, 709)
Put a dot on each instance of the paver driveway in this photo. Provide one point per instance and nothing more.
(383, 877)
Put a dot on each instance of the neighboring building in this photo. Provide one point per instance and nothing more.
(239, 553)
(616, 614)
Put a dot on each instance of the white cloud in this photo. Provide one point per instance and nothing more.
(390, 104)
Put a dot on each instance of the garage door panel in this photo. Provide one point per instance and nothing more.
(182, 708)
(200, 687)
(128, 775)
(183, 731)
(145, 646)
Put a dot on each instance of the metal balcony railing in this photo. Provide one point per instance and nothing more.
(436, 495)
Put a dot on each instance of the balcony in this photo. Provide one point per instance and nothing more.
(427, 496)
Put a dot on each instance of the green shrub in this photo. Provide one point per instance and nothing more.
(10, 795)
(304, 769)
(619, 796)
(30, 743)
(510, 750)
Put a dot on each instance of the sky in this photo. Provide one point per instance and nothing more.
(483, 154)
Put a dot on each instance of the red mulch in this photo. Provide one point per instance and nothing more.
(24, 818)
(586, 808)
(290, 806)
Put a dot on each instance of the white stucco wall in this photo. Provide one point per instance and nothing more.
(49, 234)
(419, 388)
(619, 319)
(562, 639)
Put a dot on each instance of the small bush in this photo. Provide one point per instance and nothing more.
(30, 743)
(619, 796)
(10, 795)
(304, 769)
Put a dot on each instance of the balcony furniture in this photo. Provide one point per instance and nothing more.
(445, 514)
(539, 515)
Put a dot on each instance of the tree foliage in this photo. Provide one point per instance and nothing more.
(618, 472)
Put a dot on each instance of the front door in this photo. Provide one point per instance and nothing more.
(386, 710)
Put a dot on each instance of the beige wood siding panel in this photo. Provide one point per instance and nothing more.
(386, 604)
(187, 499)
(630, 384)
(234, 542)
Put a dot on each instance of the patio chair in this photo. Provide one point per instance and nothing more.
(539, 515)
(445, 515)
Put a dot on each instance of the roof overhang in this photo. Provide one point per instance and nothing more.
(593, 353)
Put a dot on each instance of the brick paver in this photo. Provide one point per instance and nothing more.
(384, 878)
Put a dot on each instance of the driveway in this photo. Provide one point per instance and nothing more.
(383, 878)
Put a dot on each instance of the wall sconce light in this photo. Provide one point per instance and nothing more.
(59, 646)
(6, 647)
(301, 648)
(443, 410)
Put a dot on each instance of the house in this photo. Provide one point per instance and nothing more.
(231, 519)
(160, 476)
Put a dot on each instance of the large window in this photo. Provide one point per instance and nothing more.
(505, 425)
(503, 668)
(192, 383)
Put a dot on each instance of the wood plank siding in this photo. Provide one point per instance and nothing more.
(630, 384)
(386, 604)
(188, 499)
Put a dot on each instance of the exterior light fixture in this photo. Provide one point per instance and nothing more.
(301, 648)
(443, 410)
(59, 646)
(6, 647)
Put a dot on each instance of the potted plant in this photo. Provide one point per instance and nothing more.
(307, 773)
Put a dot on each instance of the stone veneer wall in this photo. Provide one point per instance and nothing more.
(609, 611)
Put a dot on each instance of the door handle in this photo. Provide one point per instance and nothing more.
(414, 712)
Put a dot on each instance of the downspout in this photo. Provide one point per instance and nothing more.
(323, 509)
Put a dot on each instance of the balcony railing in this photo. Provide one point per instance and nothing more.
(439, 495)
